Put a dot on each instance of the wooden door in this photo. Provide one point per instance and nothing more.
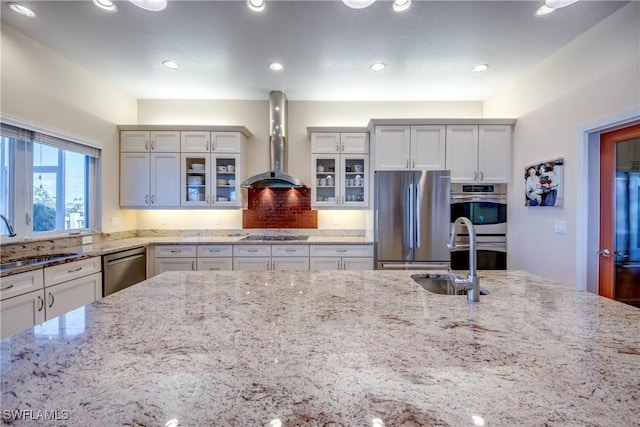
(609, 142)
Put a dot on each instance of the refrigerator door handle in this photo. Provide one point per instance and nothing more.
(410, 212)
(417, 215)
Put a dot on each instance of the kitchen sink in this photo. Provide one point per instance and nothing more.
(443, 284)
(35, 260)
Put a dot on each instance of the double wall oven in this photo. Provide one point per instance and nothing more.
(486, 206)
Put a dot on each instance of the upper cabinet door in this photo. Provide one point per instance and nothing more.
(165, 179)
(462, 153)
(133, 141)
(165, 141)
(494, 153)
(226, 142)
(195, 142)
(428, 147)
(357, 142)
(392, 147)
(134, 179)
(325, 143)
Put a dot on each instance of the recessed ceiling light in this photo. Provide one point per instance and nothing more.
(256, 5)
(170, 64)
(22, 10)
(480, 68)
(107, 5)
(557, 4)
(151, 5)
(544, 10)
(276, 66)
(377, 66)
(358, 4)
(401, 5)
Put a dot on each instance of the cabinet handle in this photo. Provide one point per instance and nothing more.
(153, 198)
(341, 250)
(153, 146)
(146, 145)
(176, 251)
(269, 265)
(214, 268)
(289, 250)
(41, 300)
(74, 270)
(208, 146)
(338, 264)
(252, 250)
(52, 300)
(344, 264)
(214, 251)
(481, 176)
(413, 163)
(406, 163)
(475, 175)
(193, 265)
(6, 287)
(207, 199)
(337, 147)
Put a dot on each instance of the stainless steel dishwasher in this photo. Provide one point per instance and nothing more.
(123, 269)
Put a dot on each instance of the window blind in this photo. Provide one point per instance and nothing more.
(15, 132)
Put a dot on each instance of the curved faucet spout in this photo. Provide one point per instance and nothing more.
(473, 294)
(12, 232)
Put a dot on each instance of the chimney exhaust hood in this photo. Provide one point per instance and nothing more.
(276, 177)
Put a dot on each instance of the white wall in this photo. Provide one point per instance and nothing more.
(302, 114)
(41, 88)
(595, 76)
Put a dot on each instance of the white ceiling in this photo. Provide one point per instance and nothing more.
(326, 48)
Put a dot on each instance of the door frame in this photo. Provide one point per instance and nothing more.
(588, 196)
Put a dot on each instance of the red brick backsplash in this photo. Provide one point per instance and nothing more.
(279, 208)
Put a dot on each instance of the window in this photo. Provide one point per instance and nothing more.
(45, 183)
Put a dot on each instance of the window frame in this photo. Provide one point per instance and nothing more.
(21, 185)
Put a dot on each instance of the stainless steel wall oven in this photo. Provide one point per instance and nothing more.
(486, 206)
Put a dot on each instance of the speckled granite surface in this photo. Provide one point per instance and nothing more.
(331, 348)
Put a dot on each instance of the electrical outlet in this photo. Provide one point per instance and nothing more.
(86, 240)
(218, 221)
(336, 221)
(163, 220)
(114, 221)
(560, 227)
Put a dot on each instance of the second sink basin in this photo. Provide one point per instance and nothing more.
(443, 284)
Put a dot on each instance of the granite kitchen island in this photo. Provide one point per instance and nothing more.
(328, 348)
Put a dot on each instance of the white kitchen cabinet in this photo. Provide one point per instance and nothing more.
(214, 142)
(215, 184)
(21, 283)
(71, 294)
(174, 258)
(410, 147)
(270, 257)
(149, 179)
(341, 257)
(215, 257)
(477, 154)
(21, 312)
(336, 142)
(150, 141)
(340, 180)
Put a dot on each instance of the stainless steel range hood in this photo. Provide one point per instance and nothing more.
(276, 177)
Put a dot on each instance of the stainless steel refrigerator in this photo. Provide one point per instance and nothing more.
(412, 219)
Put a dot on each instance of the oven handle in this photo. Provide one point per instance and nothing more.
(476, 198)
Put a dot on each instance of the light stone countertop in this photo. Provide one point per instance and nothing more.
(331, 348)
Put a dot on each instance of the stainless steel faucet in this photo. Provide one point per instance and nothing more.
(12, 232)
(472, 284)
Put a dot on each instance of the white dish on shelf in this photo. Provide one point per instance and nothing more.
(221, 181)
(194, 180)
(222, 168)
(197, 166)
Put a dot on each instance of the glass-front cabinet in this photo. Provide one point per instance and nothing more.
(340, 181)
(210, 180)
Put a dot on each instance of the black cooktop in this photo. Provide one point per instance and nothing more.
(276, 238)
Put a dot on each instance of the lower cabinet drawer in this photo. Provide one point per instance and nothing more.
(342, 250)
(289, 250)
(186, 251)
(72, 270)
(215, 251)
(252, 250)
(215, 264)
(21, 283)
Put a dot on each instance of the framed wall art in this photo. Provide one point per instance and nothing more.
(543, 183)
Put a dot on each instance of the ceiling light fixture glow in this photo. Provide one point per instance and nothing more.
(401, 5)
(107, 5)
(377, 66)
(358, 4)
(544, 10)
(480, 68)
(557, 4)
(151, 5)
(256, 5)
(276, 66)
(22, 10)
(172, 65)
